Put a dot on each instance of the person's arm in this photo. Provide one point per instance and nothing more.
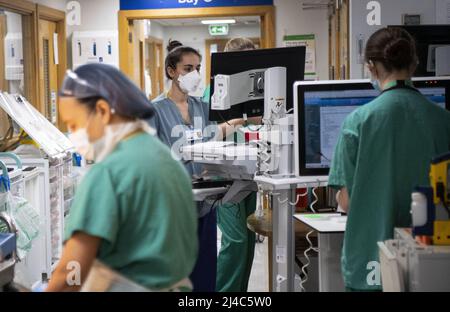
(343, 199)
(232, 125)
(80, 251)
(343, 165)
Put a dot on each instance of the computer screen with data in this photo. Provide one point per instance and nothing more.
(322, 108)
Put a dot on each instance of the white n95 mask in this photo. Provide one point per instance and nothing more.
(189, 83)
(80, 140)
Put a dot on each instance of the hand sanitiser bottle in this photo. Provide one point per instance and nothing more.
(419, 209)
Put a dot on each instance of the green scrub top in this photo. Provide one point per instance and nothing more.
(383, 153)
(139, 202)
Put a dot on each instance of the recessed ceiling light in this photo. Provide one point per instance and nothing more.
(227, 21)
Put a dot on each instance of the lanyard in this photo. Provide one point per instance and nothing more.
(401, 84)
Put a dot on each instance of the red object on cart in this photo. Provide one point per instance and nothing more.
(302, 200)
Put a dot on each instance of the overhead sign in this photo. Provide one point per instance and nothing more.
(218, 30)
(183, 4)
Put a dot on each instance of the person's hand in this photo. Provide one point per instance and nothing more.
(343, 199)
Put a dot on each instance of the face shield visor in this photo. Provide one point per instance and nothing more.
(74, 86)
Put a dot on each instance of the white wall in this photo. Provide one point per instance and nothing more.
(157, 30)
(96, 15)
(291, 19)
(55, 4)
(13, 22)
(391, 14)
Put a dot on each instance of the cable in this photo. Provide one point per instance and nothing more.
(263, 150)
(308, 262)
(223, 119)
(287, 199)
(22, 135)
(316, 198)
(311, 246)
(322, 155)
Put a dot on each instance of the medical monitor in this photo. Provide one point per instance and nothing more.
(321, 107)
(229, 63)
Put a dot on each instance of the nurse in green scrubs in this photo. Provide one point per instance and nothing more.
(383, 152)
(134, 209)
(235, 259)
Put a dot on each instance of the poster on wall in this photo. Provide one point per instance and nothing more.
(308, 41)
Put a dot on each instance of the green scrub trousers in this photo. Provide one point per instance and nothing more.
(235, 258)
(234, 263)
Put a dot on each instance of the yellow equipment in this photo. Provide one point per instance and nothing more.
(430, 205)
(440, 182)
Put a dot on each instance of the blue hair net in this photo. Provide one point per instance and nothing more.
(107, 82)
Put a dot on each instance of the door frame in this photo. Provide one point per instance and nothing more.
(28, 11)
(58, 17)
(339, 41)
(266, 12)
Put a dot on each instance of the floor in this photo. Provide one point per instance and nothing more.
(259, 278)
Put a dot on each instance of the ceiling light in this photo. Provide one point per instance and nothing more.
(211, 22)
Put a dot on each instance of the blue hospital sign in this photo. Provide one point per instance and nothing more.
(183, 4)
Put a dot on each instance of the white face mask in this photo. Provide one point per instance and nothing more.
(102, 147)
(189, 83)
(80, 140)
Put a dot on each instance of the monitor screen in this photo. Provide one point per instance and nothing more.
(229, 63)
(325, 111)
(322, 108)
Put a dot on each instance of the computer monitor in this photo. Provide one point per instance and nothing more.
(229, 63)
(321, 107)
(428, 38)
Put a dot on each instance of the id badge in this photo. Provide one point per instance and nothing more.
(193, 135)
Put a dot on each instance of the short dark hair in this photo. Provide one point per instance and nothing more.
(393, 47)
(176, 51)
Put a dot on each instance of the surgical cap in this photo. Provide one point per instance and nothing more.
(108, 83)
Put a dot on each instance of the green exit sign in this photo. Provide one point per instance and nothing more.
(218, 30)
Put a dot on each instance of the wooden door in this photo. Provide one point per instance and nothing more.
(339, 21)
(344, 42)
(155, 66)
(218, 45)
(141, 65)
(332, 43)
(48, 71)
